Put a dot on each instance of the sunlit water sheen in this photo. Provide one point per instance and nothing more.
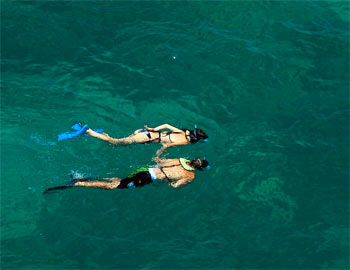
(268, 81)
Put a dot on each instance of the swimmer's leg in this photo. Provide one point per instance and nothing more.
(102, 136)
(70, 185)
(86, 182)
(132, 139)
(114, 183)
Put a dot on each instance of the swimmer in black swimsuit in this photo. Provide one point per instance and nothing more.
(156, 135)
(176, 172)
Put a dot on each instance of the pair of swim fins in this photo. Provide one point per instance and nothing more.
(79, 130)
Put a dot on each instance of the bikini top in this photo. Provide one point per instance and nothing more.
(159, 139)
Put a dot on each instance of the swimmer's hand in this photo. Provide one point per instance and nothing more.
(148, 128)
(160, 151)
(166, 146)
(181, 182)
(156, 159)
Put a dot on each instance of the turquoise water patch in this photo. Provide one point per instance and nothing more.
(268, 82)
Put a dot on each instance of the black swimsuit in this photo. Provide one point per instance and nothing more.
(142, 178)
(138, 180)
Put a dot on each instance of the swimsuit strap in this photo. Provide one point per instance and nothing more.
(153, 140)
(169, 166)
(174, 132)
(160, 136)
(167, 178)
(159, 139)
(183, 163)
(169, 137)
(167, 134)
(161, 169)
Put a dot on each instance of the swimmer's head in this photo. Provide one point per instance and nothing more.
(197, 134)
(200, 164)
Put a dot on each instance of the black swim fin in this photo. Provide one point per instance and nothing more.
(72, 182)
(57, 188)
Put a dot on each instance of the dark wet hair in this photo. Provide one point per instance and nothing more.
(199, 163)
(196, 136)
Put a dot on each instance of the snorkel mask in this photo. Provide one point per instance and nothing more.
(195, 134)
(206, 168)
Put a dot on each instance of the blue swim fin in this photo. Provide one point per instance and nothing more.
(76, 126)
(71, 135)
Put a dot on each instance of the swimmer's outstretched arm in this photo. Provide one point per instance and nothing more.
(164, 126)
(164, 147)
(158, 159)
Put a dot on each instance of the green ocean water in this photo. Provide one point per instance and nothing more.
(267, 80)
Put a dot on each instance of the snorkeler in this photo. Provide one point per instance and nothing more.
(145, 135)
(176, 172)
(156, 135)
